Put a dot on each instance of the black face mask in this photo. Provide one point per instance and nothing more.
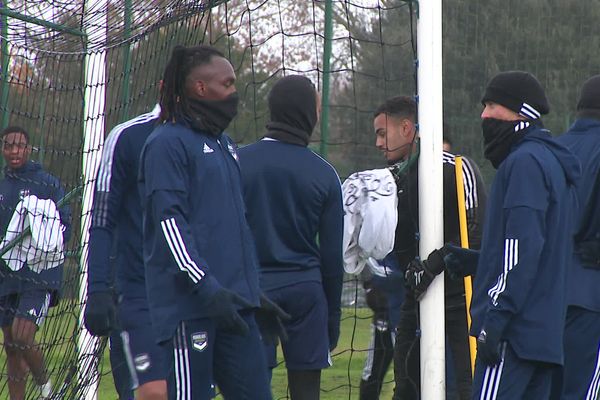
(499, 136)
(212, 116)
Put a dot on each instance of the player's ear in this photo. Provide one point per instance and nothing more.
(195, 86)
(201, 88)
(407, 127)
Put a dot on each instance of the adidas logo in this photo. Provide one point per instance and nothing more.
(207, 149)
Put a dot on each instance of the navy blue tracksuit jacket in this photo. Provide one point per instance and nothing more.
(526, 248)
(583, 139)
(294, 196)
(117, 212)
(196, 238)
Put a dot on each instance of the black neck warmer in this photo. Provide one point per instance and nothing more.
(500, 136)
(293, 107)
(212, 116)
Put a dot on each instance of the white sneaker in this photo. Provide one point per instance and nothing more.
(46, 390)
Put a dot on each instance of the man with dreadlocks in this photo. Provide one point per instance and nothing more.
(397, 138)
(201, 266)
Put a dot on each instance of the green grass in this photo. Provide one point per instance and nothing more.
(337, 382)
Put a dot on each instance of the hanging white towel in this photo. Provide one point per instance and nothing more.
(370, 217)
(41, 249)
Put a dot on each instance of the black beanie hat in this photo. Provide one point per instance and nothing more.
(293, 101)
(590, 94)
(518, 91)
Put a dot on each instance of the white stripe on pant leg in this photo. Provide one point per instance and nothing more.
(186, 357)
(592, 393)
(500, 367)
(180, 382)
(129, 359)
(43, 310)
(176, 364)
(484, 383)
(491, 380)
(368, 368)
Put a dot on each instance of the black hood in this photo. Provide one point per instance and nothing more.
(293, 109)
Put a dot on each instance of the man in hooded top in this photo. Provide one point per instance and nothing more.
(580, 377)
(293, 196)
(518, 308)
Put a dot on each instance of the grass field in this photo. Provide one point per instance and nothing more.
(337, 382)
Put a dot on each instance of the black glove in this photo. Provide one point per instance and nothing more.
(460, 262)
(488, 347)
(589, 253)
(333, 331)
(376, 299)
(223, 310)
(269, 319)
(99, 316)
(419, 274)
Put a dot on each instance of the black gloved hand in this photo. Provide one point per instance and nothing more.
(416, 278)
(333, 331)
(419, 274)
(589, 253)
(269, 318)
(376, 300)
(223, 310)
(488, 347)
(99, 316)
(460, 262)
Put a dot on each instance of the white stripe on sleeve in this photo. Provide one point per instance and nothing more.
(179, 251)
(511, 258)
(105, 168)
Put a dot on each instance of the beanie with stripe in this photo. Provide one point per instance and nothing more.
(518, 91)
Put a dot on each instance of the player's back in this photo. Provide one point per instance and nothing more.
(287, 190)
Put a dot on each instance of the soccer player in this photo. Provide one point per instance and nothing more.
(27, 290)
(293, 196)
(397, 138)
(581, 372)
(518, 306)
(199, 255)
(117, 221)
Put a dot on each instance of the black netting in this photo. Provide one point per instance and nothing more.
(45, 47)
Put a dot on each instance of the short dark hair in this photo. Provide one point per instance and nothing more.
(183, 60)
(446, 136)
(398, 107)
(14, 129)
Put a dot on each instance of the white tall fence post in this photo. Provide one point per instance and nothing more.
(431, 224)
(93, 140)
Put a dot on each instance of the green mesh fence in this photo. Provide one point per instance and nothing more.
(374, 56)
